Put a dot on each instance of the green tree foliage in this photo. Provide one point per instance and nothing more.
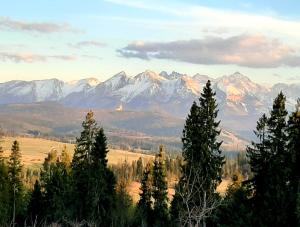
(144, 212)
(36, 205)
(123, 213)
(94, 182)
(80, 164)
(294, 149)
(4, 194)
(15, 182)
(236, 210)
(270, 163)
(201, 172)
(101, 185)
(56, 186)
(160, 190)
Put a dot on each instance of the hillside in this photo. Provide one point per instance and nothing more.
(160, 101)
(125, 129)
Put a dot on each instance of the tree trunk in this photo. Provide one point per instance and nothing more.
(14, 207)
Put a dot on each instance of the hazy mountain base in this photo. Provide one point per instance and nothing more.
(128, 130)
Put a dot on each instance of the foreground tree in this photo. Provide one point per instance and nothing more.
(294, 150)
(93, 182)
(15, 180)
(144, 212)
(4, 190)
(101, 194)
(270, 163)
(195, 196)
(160, 190)
(36, 205)
(80, 164)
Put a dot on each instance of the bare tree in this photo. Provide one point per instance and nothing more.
(198, 200)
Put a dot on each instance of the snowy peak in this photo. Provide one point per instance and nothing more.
(173, 76)
(149, 76)
(116, 82)
(79, 85)
(49, 90)
(236, 86)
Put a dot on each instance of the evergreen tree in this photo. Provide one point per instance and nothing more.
(236, 208)
(101, 194)
(15, 181)
(160, 190)
(123, 213)
(294, 150)
(84, 144)
(56, 191)
(201, 172)
(80, 166)
(139, 169)
(4, 194)
(144, 212)
(36, 205)
(270, 163)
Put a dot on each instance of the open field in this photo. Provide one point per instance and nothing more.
(34, 151)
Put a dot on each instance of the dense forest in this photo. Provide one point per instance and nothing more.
(84, 190)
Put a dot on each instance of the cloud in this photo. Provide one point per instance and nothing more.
(194, 18)
(7, 23)
(31, 58)
(88, 44)
(253, 51)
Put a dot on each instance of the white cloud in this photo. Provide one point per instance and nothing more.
(17, 25)
(254, 51)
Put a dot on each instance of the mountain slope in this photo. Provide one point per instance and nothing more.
(54, 119)
(241, 101)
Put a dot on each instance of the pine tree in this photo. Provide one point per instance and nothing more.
(36, 205)
(99, 150)
(144, 207)
(269, 160)
(139, 169)
(84, 144)
(294, 150)
(203, 161)
(80, 166)
(160, 190)
(4, 194)
(15, 181)
(101, 194)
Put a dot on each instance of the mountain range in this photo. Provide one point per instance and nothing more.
(241, 101)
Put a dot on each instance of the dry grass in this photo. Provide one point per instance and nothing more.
(34, 151)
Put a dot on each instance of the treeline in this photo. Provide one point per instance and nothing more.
(84, 191)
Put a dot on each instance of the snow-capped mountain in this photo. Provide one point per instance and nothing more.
(17, 91)
(241, 101)
(236, 93)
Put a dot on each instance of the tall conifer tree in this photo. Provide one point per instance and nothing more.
(201, 172)
(160, 190)
(270, 163)
(144, 212)
(14, 175)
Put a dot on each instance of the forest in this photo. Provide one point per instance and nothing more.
(84, 190)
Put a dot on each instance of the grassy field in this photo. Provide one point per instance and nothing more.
(34, 151)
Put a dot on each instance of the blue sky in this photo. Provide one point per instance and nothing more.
(76, 39)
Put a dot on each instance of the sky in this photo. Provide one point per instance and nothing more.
(75, 39)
